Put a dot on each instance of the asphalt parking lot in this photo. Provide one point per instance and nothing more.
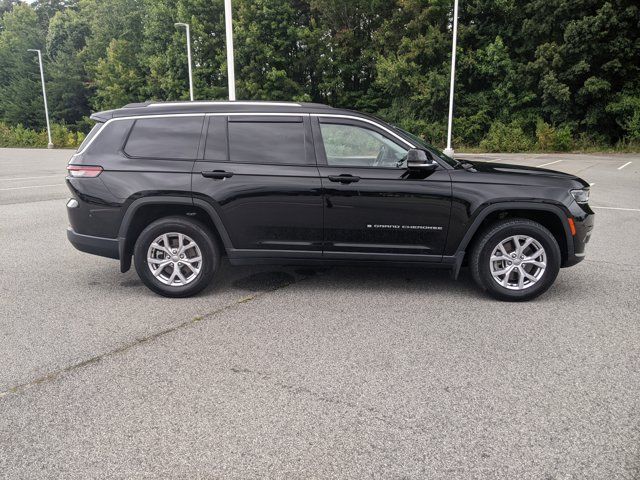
(315, 373)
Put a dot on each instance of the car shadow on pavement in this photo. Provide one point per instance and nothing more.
(355, 278)
(248, 280)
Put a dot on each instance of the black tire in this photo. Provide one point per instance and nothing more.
(199, 233)
(491, 238)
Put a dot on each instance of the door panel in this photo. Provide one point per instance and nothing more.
(383, 212)
(267, 208)
(386, 212)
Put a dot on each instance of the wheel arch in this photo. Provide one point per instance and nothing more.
(553, 217)
(143, 211)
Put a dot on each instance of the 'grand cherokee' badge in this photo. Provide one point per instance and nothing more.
(403, 227)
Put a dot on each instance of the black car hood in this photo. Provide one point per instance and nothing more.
(499, 169)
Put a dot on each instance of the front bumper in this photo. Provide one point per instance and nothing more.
(104, 247)
(583, 219)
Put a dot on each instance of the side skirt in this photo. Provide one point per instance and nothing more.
(299, 258)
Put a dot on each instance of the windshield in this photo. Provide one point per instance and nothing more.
(421, 143)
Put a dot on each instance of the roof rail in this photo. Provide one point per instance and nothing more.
(222, 102)
(138, 104)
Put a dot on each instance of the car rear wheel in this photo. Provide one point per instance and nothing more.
(515, 260)
(176, 256)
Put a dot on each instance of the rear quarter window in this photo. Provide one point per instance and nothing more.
(94, 131)
(175, 138)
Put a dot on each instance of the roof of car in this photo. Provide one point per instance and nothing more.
(163, 108)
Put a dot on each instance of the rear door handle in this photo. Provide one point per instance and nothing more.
(344, 178)
(218, 174)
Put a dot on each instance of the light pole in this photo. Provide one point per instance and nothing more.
(230, 66)
(186, 26)
(449, 151)
(44, 95)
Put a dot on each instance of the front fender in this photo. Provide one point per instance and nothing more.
(483, 212)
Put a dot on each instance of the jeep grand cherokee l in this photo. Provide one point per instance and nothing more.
(177, 185)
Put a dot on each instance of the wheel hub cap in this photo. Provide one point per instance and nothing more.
(174, 259)
(518, 262)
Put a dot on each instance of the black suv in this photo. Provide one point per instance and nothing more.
(178, 185)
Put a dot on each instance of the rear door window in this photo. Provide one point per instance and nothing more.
(271, 140)
(166, 138)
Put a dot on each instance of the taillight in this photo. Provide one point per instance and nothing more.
(83, 171)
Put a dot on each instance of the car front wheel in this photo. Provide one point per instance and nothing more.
(515, 260)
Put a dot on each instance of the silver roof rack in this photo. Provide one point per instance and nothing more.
(256, 103)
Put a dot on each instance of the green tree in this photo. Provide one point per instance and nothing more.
(118, 79)
(20, 91)
(66, 37)
(271, 49)
(538, 72)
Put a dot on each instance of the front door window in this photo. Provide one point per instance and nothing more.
(353, 146)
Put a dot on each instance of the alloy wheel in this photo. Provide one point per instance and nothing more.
(518, 262)
(174, 259)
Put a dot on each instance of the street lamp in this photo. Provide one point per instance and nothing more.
(186, 26)
(44, 95)
(230, 66)
(449, 151)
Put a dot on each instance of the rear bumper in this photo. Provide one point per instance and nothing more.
(104, 247)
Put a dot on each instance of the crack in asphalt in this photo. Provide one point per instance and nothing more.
(319, 397)
(51, 376)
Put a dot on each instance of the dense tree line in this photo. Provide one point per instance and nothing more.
(554, 72)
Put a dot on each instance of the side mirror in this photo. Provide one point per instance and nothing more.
(419, 160)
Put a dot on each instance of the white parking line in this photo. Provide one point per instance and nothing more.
(592, 184)
(622, 166)
(550, 163)
(33, 186)
(618, 208)
(6, 179)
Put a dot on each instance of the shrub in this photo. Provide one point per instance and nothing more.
(633, 128)
(506, 138)
(19, 136)
(553, 139)
(626, 111)
(62, 137)
(469, 130)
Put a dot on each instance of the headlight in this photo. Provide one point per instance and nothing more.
(581, 196)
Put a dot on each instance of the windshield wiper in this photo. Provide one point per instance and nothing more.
(465, 164)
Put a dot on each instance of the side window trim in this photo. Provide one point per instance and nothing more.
(351, 121)
(201, 144)
(318, 143)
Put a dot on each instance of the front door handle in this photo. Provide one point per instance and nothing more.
(218, 174)
(344, 178)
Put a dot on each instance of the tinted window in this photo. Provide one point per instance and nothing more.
(353, 146)
(94, 131)
(110, 138)
(216, 148)
(278, 141)
(168, 137)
